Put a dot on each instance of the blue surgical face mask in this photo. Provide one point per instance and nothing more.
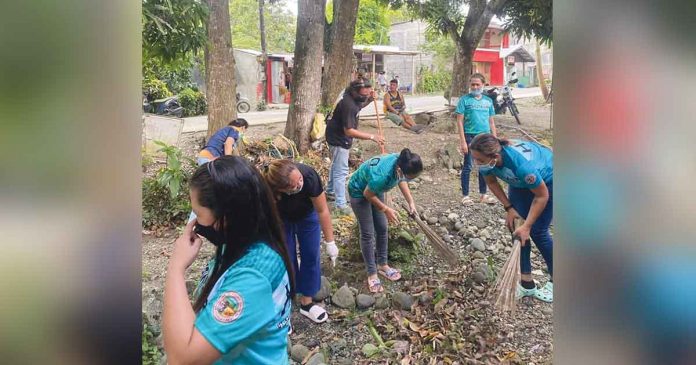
(400, 175)
(476, 92)
(489, 166)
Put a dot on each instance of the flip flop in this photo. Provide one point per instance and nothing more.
(375, 286)
(545, 294)
(467, 200)
(316, 313)
(488, 199)
(391, 274)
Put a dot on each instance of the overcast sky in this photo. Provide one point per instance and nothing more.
(292, 6)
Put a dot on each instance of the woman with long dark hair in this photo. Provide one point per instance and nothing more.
(242, 312)
(302, 206)
(527, 168)
(367, 186)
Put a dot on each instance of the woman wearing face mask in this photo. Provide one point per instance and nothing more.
(366, 188)
(302, 206)
(242, 310)
(527, 167)
(224, 142)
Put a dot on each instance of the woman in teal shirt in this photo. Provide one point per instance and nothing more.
(366, 189)
(243, 311)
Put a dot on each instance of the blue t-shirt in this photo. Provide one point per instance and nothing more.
(476, 113)
(216, 143)
(525, 165)
(376, 173)
(247, 314)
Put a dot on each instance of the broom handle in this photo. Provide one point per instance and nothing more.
(379, 125)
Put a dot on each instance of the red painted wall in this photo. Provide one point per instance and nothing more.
(506, 40)
(497, 72)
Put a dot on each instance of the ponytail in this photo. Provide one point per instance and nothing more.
(277, 174)
(409, 163)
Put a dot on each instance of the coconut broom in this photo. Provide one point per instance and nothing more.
(439, 245)
(505, 288)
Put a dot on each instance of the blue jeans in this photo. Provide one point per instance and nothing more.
(337, 175)
(466, 170)
(373, 229)
(307, 233)
(521, 200)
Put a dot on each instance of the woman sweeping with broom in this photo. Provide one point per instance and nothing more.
(527, 167)
(366, 188)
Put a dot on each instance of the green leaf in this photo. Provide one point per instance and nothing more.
(370, 350)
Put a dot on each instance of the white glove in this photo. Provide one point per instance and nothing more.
(332, 250)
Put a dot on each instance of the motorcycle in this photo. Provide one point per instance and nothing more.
(168, 106)
(503, 100)
(243, 105)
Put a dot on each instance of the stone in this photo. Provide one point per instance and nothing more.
(344, 298)
(458, 226)
(365, 301)
(324, 291)
(479, 255)
(427, 178)
(508, 249)
(478, 244)
(425, 299)
(338, 345)
(402, 300)
(442, 231)
(381, 302)
(485, 233)
(478, 277)
(481, 224)
(547, 311)
(443, 220)
(485, 270)
(298, 352)
(453, 217)
(316, 359)
(432, 220)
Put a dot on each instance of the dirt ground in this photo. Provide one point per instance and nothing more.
(452, 320)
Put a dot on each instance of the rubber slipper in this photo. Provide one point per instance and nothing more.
(545, 294)
(375, 286)
(467, 200)
(391, 274)
(316, 313)
(488, 199)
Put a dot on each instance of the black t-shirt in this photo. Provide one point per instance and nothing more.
(297, 206)
(344, 116)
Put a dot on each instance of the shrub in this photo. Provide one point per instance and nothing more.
(155, 89)
(431, 81)
(165, 196)
(193, 102)
(151, 353)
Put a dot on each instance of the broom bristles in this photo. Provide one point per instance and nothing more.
(505, 288)
(441, 247)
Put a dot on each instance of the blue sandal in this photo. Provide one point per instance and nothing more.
(545, 294)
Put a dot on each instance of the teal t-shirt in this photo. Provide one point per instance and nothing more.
(525, 165)
(376, 173)
(247, 314)
(476, 113)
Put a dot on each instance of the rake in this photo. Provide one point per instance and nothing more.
(439, 245)
(505, 288)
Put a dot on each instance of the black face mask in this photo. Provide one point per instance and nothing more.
(215, 237)
(361, 98)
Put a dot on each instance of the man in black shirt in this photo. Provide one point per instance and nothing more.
(341, 128)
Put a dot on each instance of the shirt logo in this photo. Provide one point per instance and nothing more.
(530, 179)
(228, 307)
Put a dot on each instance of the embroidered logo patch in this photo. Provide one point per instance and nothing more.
(530, 179)
(228, 307)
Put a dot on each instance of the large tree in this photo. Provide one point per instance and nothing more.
(173, 29)
(219, 71)
(338, 49)
(279, 25)
(309, 40)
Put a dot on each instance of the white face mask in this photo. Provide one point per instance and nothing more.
(489, 166)
(297, 190)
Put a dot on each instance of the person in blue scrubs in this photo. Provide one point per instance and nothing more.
(527, 168)
(366, 188)
(241, 314)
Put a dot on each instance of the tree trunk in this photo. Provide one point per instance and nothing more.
(338, 47)
(477, 20)
(262, 28)
(219, 67)
(540, 72)
(309, 40)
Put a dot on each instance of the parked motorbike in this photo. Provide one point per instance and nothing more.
(503, 100)
(243, 105)
(168, 106)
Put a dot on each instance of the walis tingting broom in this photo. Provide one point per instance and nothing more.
(505, 288)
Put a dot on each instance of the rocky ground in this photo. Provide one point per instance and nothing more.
(435, 314)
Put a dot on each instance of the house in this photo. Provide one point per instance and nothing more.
(494, 57)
